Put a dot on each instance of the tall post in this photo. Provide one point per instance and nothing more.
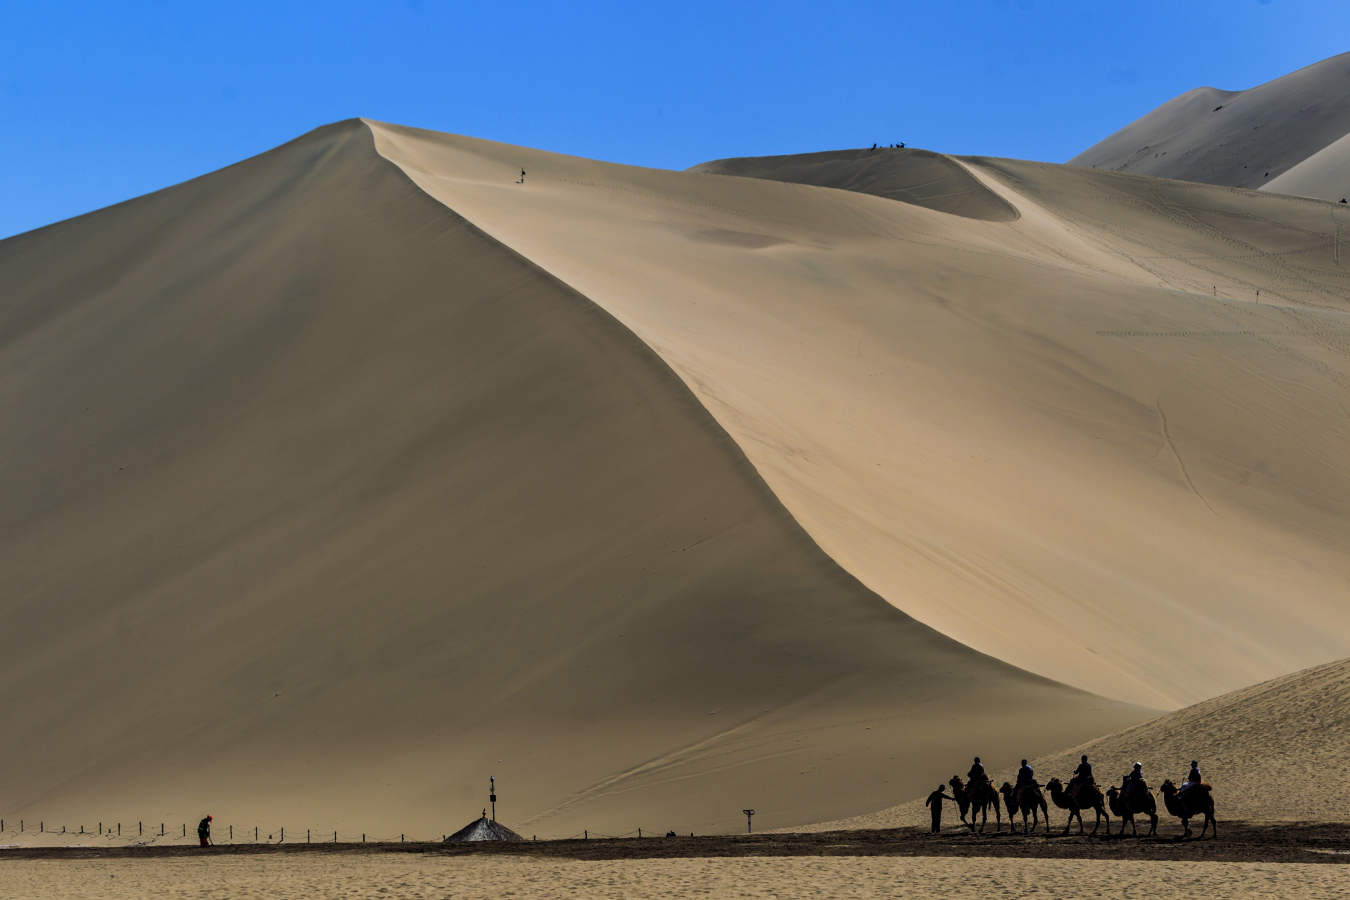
(748, 814)
(492, 795)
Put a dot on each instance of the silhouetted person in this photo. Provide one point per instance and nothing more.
(1025, 775)
(976, 773)
(1193, 777)
(204, 831)
(522, 177)
(1133, 782)
(934, 802)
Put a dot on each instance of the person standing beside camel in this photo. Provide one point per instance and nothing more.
(934, 801)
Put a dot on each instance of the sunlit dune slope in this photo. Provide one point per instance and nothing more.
(921, 177)
(1072, 440)
(1276, 751)
(1325, 175)
(1241, 138)
(320, 506)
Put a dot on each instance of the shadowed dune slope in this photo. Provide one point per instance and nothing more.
(921, 177)
(1278, 751)
(320, 506)
(1072, 440)
(1239, 138)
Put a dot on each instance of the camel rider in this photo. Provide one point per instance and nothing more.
(1133, 781)
(1026, 777)
(1193, 777)
(976, 774)
(1082, 776)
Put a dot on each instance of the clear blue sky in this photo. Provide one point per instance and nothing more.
(103, 101)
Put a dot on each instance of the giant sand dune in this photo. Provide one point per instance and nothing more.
(353, 473)
(321, 506)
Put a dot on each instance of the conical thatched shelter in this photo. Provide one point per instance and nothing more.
(483, 829)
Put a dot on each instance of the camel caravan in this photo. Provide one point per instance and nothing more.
(976, 796)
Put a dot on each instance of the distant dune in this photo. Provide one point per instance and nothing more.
(321, 506)
(1246, 138)
(921, 177)
(1274, 752)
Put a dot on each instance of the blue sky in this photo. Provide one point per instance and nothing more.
(100, 102)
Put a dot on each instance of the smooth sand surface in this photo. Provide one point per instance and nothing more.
(921, 177)
(364, 875)
(1074, 441)
(321, 506)
(1325, 175)
(1274, 752)
(1243, 138)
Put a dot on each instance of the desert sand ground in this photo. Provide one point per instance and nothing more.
(1276, 137)
(367, 875)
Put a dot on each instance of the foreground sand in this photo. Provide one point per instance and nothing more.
(364, 875)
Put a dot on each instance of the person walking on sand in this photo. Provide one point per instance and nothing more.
(204, 831)
(522, 176)
(935, 802)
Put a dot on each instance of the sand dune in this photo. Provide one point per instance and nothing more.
(321, 506)
(1070, 440)
(921, 177)
(1324, 176)
(1278, 751)
(1243, 138)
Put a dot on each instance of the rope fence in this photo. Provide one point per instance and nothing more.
(147, 833)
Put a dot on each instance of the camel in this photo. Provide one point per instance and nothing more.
(1029, 800)
(977, 798)
(1087, 795)
(1197, 800)
(1141, 802)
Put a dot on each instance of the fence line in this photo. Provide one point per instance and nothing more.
(143, 833)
